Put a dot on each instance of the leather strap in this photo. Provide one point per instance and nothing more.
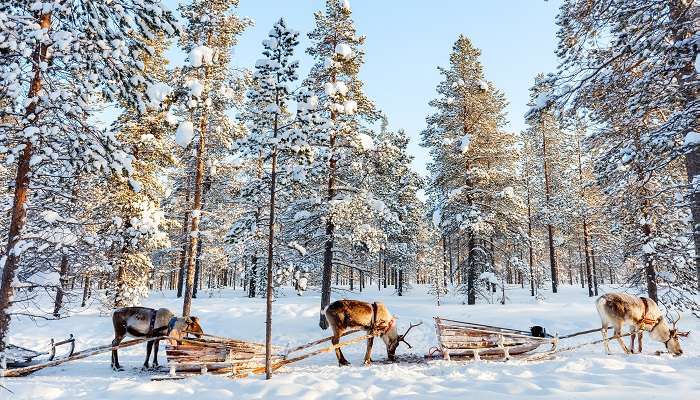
(152, 324)
(646, 320)
(374, 317)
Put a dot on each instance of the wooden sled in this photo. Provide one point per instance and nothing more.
(218, 355)
(466, 340)
(19, 357)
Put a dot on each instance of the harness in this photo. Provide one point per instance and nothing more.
(645, 319)
(373, 325)
(152, 324)
(152, 331)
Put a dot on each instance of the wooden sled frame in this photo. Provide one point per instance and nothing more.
(23, 357)
(210, 354)
(467, 340)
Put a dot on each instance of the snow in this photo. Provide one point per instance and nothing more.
(329, 88)
(586, 373)
(697, 63)
(296, 246)
(437, 218)
(366, 141)
(346, 5)
(201, 55)
(341, 87)
(184, 134)
(343, 50)
(157, 93)
(50, 216)
(691, 139)
(350, 107)
(483, 85)
(195, 87)
(464, 144)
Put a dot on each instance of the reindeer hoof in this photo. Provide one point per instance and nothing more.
(344, 364)
(117, 368)
(368, 363)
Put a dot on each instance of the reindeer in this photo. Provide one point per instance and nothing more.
(144, 322)
(373, 318)
(640, 314)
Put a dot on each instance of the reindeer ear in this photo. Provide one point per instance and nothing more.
(195, 319)
(188, 320)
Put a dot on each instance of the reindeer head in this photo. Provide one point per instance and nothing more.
(193, 326)
(179, 327)
(670, 336)
(673, 343)
(392, 339)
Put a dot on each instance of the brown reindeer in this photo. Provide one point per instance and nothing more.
(144, 322)
(640, 314)
(374, 318)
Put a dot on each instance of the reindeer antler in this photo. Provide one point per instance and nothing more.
(402, 338)
(675, 321)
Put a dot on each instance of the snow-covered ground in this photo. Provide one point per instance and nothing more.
(585, 373)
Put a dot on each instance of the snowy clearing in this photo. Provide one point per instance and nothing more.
(586, 373)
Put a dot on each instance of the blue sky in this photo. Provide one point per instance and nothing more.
(408, 39)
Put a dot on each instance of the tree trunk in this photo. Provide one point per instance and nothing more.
(185, 240)
(400, 286)
(197, 270)
(86, 290)
(63, 274)
(595, 273)
(471, 272)
(253, 276)
(270, 260)
(550, 228)
(196, 217)
(587, 256)
(330, 226)
(531, 256)
(19, 203)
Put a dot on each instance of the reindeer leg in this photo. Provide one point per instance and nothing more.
(149, 347)
(606, 344)
(633, 334)
(368, 353)
(339, 354)
(639, 340)
(115, 357)
(618, 333)
(156, 343)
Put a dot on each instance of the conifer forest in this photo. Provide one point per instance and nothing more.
(174, 169)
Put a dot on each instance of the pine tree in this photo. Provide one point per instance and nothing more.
(645, 66)
(278, 139)
(336, 48)
(212, 30)
(137, 228)
(79, 50)
(473, 168)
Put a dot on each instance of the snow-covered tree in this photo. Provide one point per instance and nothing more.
(634, 64)
(136, 228)
(472, 175)
(207, 84)
(278, 141)
(334, 209)
(58, 60)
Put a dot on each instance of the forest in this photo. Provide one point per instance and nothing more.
(277, 182)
